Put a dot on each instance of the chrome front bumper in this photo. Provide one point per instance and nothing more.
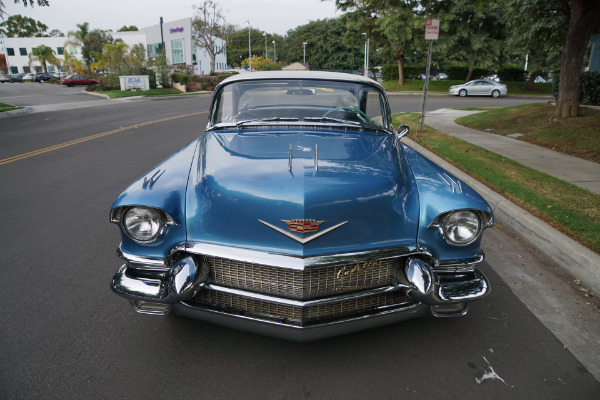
(429, 289)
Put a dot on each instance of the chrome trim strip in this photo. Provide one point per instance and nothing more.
(466, 264)
(297, 262)
(316, 158)
(300, 303)
(290, 159)
(303, 333)
(159, 264)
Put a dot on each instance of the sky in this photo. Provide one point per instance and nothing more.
(272, 16)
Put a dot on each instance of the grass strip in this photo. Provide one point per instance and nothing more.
(8, 107)
(568, 208)
(575, 136)
(116, 94)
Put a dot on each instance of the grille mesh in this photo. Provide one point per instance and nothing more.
(301, 285)
(295, 314)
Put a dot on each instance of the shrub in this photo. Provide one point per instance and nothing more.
(180, 77)
(54, 80)
(390, 72)
(457, 72)
(92, 88)
(589, 90)
(512, 73)
(479, 73)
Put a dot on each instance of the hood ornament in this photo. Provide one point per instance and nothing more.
(302, 226)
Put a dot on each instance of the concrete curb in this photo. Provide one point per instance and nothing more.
(578, 260)
(24, 110)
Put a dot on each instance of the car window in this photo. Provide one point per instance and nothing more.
(300, 100)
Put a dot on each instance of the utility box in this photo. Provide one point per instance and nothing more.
(134, 82)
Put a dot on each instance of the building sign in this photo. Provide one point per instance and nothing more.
(176, 30)
(432, 29)
(134, 82)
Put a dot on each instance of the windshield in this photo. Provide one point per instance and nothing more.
(300, 101)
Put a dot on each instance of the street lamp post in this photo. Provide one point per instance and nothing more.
(249, 47)
(366, 63)
(304, 51)
(274, 51)
(266, 52)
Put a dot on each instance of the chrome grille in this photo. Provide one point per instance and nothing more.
(294, 284)
(298, 315)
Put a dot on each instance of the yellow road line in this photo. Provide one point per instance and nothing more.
(92, 137)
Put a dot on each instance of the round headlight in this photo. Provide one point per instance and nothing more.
(462, 227)
(142, 223)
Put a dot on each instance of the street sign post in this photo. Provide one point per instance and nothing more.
(432, 32)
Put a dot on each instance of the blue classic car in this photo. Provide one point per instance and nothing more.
(300, 214)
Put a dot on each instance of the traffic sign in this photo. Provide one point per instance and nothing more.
(432, 29)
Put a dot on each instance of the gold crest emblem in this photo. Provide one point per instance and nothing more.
(303, 225)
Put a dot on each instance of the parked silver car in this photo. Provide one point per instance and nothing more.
(480, 87)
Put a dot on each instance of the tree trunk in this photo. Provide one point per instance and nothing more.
(469, 75)
(400, 61)
(531, 81)
(585, 15)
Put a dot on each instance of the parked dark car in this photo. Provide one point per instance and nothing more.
(16, 78)
(44, 77)
(72, 80)
(300, 214)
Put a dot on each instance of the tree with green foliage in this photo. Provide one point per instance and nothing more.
(330, 45)
(20, 26)
(471, 32)
(393, 24)
(237, 45)
(41, 3)
(44, 55)
(537, 29)
(131, 28)
(209, 22)
(91, 43)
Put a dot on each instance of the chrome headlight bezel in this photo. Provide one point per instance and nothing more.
(466, 223)
(155, 217)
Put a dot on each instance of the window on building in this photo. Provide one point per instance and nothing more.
(14, 70)
(153, 50)
(23, 51)
(194, 58)
(60, 51)
(72, 50)
(177, 55)
(26, 69)
(10, 51)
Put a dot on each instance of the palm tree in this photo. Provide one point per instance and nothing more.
(44, 55)
(78, 39)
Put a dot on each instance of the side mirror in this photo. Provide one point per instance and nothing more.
(403, 131)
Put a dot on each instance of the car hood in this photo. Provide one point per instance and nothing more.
(339, 191)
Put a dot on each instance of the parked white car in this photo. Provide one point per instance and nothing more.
(479, 87)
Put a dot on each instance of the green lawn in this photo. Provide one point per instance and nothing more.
(575, 136)
(115, 94)
(570, 209)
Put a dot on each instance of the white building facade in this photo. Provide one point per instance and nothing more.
(182, 46)
(179, 39)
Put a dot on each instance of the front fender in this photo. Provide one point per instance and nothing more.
(163, 187)
(440, 192)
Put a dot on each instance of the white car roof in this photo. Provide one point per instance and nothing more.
(324, 75)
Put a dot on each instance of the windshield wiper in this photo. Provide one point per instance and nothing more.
(341, 121)
(247, 121)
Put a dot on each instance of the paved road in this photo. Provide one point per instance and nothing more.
(65, 335)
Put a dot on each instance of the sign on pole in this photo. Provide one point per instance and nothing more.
(432, 32)
(432, 29)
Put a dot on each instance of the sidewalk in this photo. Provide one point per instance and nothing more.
(583, 173)
(570, 255)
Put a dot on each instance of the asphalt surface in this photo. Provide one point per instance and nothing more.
(65, 335)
